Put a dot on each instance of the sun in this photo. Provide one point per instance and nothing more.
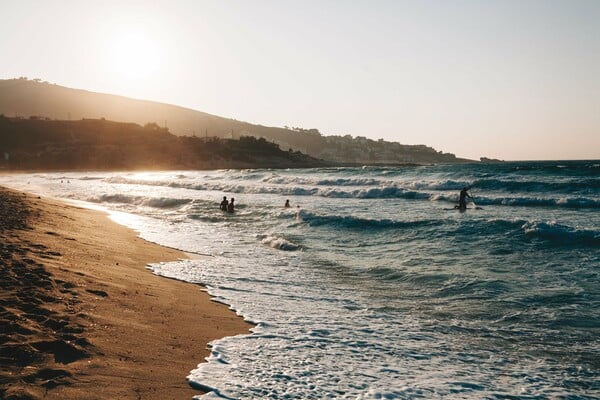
(134, 55)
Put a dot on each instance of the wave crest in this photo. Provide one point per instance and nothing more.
(279, 243)
(572, 202)
(348, 221)
(154, 202)
(562, 234)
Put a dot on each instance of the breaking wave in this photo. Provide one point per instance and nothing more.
(154, 202)
(277, 242)
(567, 202)
(352, 222)
(561, 234)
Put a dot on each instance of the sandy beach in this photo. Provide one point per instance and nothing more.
(82, 317)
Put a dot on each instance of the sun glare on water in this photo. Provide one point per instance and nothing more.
(134, 55)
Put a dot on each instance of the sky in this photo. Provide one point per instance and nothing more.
(514, 80)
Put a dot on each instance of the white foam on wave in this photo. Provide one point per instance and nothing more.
(551, 230)
(277, 242)
(154, 202)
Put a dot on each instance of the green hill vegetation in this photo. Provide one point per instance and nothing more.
(97, 144)
(23, 97)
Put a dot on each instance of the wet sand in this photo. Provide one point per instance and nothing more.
(82, 318)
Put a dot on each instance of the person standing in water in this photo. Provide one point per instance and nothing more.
(287, 204)
(224, 204)
(230, 208)
(462, 200)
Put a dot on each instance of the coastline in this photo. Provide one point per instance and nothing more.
(82, 316)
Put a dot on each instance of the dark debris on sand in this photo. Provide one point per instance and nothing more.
(35, 338)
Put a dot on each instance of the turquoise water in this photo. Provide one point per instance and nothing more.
(375, 286)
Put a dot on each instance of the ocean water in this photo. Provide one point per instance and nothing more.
(372, 286)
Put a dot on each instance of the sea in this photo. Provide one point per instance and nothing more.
(372, 285)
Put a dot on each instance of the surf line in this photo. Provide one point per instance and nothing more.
(199, 254)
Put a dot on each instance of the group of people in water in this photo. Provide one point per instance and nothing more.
(228, 206)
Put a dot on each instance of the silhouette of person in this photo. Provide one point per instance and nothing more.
(287, 204)
(230, 208)
(462, 200)
(224, 204)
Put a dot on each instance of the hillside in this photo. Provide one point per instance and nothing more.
(24, 98)
(98, 144)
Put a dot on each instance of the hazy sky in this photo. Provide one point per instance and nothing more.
(504, 79)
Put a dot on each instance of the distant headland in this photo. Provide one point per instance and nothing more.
(42, 144)
(25, 98)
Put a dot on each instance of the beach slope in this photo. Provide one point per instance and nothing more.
(81, 317)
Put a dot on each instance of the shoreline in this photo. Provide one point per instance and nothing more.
(82, 316)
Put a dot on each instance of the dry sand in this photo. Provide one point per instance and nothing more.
(82, 318)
